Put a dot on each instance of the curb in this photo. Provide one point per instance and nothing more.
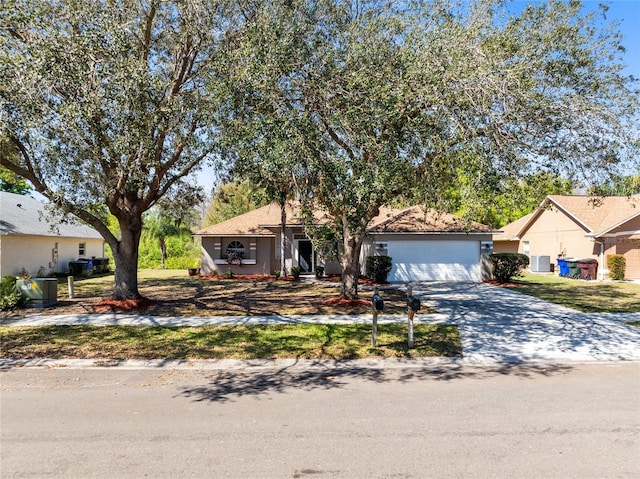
(257, 365)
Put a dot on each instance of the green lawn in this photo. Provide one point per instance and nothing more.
(586, 296)
(305, 341)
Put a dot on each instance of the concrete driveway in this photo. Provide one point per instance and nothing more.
(496, 325)
(500, 325)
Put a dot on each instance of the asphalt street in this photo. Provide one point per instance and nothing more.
(326, 421)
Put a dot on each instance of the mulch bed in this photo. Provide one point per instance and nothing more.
(110, 305)
(362, 280)
(347, 303)
(245, 277)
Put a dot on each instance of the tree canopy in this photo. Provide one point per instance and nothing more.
(232, 199)
(109, 104)
(374, 98)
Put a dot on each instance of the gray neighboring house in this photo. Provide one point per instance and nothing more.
(33, 240)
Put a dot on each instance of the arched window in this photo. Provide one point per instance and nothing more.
(235, 248)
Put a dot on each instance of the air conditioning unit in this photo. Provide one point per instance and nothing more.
(540, 264)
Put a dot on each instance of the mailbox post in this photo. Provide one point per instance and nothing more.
(413, 305)
(377, 305)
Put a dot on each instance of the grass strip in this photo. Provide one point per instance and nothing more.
(585, 296)
(304, 341)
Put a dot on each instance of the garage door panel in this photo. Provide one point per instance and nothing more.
(435, 260)
(434, 272)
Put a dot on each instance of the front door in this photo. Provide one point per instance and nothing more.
(305, 256)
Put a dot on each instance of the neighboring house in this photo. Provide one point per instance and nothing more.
(578, 227)
(423, 245)
(32, 240)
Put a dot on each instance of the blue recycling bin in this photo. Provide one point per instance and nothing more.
(563, 266)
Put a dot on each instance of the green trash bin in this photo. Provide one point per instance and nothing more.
(574, 269)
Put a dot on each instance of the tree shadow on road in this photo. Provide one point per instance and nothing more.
(227, 385)
(231, 385)
(457, 371)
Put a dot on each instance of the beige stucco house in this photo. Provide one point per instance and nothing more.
(423, 245)
(578, 227)
(32, 239)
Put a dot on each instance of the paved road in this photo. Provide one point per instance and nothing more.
(439, 421)
(496, 325)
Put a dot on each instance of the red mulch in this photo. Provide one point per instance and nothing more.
(362, 280)
(246, 277)
(259, 277)
(109, 305)
(348, 303)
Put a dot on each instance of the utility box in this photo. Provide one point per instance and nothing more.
(42, 292)
(540, 264)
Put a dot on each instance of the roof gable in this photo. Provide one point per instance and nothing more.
(596, 215)
(23, 215)
(250, 223)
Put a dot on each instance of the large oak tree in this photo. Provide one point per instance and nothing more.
(109, 104)
(376, 97)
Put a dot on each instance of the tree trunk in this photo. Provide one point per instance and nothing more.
(283, 238)
(125, 255)
(163, 251)
(350, 261)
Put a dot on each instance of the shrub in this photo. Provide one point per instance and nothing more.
(378, 268)
(295, 272)
(10, 297)
(617, 265)
(507, 266)
(319, 271)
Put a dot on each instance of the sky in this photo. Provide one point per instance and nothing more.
(625, 12)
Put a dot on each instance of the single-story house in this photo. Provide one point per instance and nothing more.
(32, 240)
(423, 245)
(578, 227)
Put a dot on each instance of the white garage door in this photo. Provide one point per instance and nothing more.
(452, 260)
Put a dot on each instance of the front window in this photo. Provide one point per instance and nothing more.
(82, 249)
(235, 251)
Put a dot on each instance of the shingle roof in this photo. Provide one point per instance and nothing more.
(416, 219)
(23, 215)
(389, 220)
(597, 215)
(510, 231)
(251, 223)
